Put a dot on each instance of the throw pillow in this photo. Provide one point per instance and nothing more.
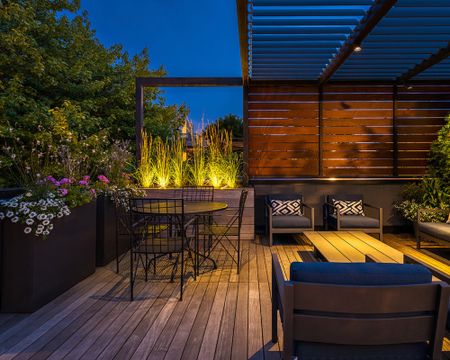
(346, 207)
(286, 207)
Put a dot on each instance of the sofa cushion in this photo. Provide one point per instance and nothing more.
(348, 207)
(439, 230)
(364, 274)
(358, 221)
(286, 207)
(291, 221)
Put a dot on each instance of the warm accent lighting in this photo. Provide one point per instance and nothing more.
(357, 48)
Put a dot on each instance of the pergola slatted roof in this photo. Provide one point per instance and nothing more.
(314, 40)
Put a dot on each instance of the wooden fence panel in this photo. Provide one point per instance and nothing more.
(357, 130)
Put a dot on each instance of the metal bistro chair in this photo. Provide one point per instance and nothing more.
(197, 193)
(121, 200)
(223, 232)
(159, 230)
(201, 193)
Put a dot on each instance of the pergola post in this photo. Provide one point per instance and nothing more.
(139, 117)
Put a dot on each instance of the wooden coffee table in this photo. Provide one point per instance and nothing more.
(352, 246)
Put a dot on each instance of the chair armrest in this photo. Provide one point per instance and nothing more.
(419, 213)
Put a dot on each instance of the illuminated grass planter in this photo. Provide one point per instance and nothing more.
(36, 270)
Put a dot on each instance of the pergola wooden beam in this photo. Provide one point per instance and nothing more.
(434, 59)
(378, 10)
(243, 36)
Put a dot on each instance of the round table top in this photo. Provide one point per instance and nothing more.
(190, 208)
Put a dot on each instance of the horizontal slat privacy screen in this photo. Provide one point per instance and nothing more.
(349, 133)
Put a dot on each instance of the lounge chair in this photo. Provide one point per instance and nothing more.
(359, 311)
(288, 223)
(339, 220)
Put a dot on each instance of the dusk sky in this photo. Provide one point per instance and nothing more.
(189, 38)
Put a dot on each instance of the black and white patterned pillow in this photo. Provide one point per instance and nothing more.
(346, 207)
(286, 207)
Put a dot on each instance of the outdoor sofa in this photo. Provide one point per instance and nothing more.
(359, 311)
(434, 231)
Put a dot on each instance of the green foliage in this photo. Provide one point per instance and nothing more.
(440, 155)
(409, 210)
(433, 193)
(198, 168)
(162, 162)
(232, 123)
(178, 162)
(59, 86)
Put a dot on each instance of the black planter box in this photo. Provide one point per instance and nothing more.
(36, 270)
(106, 232)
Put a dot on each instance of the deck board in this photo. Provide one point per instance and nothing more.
(223, 315)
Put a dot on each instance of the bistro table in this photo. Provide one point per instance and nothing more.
(189, 208)
(192, 208)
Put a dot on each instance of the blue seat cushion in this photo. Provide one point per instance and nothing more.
(291, 221)
(358, 221)
(364, 274)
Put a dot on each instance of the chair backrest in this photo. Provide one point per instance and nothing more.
(242, 200)
(121, 200)
(345, 197)
(197, 193)
(159, 223)
(336, 318)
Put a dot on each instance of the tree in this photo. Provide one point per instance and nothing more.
(49, 60)
(230, 122)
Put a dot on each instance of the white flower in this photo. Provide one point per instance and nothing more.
(41, 217)
(43, 208)
(27, 230)
(26, 211)
(9, 214)
(2, 216)
(40, 227)
(45, 222)
(32, 214)
(50, 216)
(29, 221)
(60, 214)
(46, 232)
(15, 219)
(38, 232)
(50, 227)
(28, 194)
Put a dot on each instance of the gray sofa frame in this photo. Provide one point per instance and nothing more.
(390, 313)
(297, 230)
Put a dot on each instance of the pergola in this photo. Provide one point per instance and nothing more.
(337, 88)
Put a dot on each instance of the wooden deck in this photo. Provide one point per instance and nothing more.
(222, 316)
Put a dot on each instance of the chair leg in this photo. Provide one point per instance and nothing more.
(131, 275)
(182, 275)
(239, 255)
